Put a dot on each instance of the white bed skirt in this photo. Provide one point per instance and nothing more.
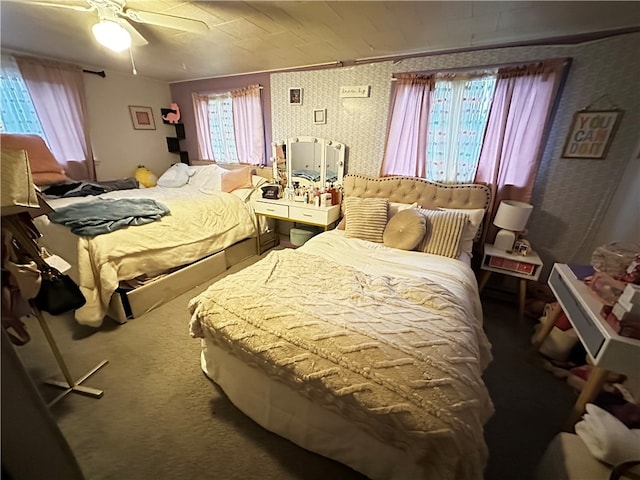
(284, 411)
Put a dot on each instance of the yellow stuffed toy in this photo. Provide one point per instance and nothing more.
(146, 178)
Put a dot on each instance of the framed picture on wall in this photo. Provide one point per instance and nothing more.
(295, 96)
(591, 134)
(320, 116)
(142, 118)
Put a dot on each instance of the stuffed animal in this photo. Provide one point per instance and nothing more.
(174, 116)
(146, 178)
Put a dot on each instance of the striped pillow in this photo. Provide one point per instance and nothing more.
(444, 232)
(366, 218)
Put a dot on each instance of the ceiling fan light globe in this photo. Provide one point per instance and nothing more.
(112, 35)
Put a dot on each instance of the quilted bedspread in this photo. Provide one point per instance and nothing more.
(400, 357)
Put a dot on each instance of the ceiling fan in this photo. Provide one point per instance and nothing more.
(114, 29)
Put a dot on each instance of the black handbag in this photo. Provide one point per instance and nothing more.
(58, 293)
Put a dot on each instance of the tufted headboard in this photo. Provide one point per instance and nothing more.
(419, 190)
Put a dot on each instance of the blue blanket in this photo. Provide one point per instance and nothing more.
(106, 215)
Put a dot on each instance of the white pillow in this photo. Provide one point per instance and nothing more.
(177, 175)
(395, 207)
(208, 178)
(211, 184)
(475, 216)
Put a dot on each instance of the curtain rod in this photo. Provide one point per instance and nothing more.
(94, 72)
(466, 69)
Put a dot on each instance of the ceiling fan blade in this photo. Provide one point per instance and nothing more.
(137, 40)
(77, 8)
(164, 20)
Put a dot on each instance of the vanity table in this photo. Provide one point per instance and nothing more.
(298, 212)
(307, 162)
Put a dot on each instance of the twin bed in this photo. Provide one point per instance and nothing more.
(367, 354)
(129, 271)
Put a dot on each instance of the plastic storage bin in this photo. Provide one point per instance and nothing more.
(299, 236)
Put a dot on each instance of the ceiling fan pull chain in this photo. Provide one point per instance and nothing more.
(133, 65)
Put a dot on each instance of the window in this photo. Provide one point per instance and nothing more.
(45, 97)
(458, 113)
(494, 122)
(221, 129)
(17, 113)
(230, 126)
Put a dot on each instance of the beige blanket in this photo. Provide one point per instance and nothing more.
(193, 230)
(398, 356)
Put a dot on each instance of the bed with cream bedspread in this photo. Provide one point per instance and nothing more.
(198, 225)
(390, 341)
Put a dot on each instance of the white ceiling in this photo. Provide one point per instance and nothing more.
(257, 36)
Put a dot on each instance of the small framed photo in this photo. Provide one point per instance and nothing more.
(142, 118)
(295, 96)
(521, 247)
(320, 116)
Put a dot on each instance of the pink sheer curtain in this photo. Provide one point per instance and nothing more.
(407, 135)
(512, 145)
(57, 92)
(201, 111)
(248, 125)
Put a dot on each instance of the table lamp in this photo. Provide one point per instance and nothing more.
(512, 217)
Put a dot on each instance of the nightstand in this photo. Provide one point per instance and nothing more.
(296, 212)
(524, 267)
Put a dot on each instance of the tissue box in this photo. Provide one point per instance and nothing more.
(623, 308)
(631, 294)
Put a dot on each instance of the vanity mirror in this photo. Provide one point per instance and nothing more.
(334, 162)
(309, 161)
(305, 160)
(279, 163)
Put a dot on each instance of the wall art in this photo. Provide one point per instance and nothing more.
(142, 118)
(591, 133)
(295, 96)
(320, 116)
(355, 91)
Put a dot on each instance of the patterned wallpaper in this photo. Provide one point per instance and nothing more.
(570, 196)
(360, 123)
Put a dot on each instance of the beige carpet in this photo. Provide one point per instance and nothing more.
(161, 418)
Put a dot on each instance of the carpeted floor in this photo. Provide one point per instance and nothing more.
(161, 418)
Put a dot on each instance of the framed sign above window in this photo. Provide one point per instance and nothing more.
(591, 134)
(142, 118)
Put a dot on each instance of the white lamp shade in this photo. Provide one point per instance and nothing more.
(111, 35)
(512, 215)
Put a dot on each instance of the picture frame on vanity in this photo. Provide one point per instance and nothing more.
(320, 116)
(295, 96)
(142, 118)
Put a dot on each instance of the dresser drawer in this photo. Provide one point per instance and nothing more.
(310, 215)
(591, 336)
(272, 209)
